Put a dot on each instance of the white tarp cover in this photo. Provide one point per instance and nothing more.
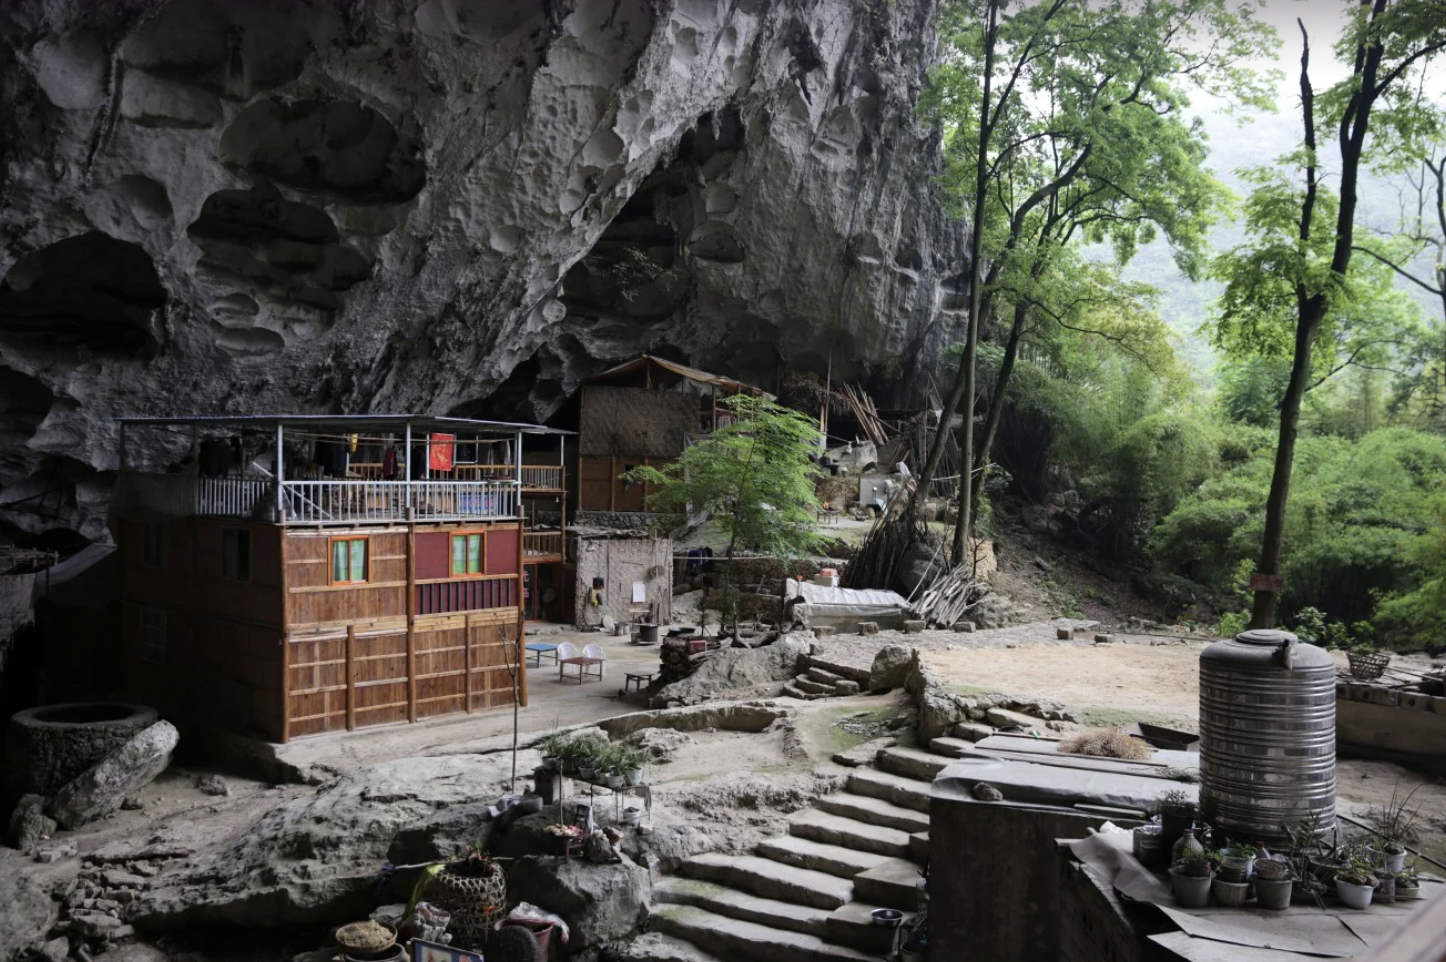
(845, 601)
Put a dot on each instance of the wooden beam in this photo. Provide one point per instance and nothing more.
(285, 641)
(521, 629)
(612, 483)
(351, 678)
(411, 623)
(467, 667)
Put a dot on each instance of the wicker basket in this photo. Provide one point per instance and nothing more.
(475, 899)
(1366, 665)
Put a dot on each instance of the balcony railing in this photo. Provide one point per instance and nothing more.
(535, 477)
(347, 502)
(536, 543)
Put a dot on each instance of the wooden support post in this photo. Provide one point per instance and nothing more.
(411, 622)
(285, 640)
(521, 628)
(351, 678)
(612, 483)
(467, 627)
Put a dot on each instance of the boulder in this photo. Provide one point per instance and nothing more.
(28, 823)
(659, 744)
(736, 672)
(316, 859)
(102, 788)
(913, 626)
(212, 785)
(939, 711)
(599, 902)
(443, 834)
(26, 914)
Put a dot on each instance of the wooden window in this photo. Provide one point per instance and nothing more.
(469, 554)
(153, 554)
(236, 554)
(348, 560)
(153, 635)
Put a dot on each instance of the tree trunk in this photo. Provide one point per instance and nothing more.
(996, 400)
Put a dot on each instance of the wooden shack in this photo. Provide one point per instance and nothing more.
(294, 575)
(643, 412)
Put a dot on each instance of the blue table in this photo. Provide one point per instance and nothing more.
(539, 649)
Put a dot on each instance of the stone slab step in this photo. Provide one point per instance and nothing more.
(1003, 718)
(721, 900)
(919, 847)
(820, 856)
(792, 690)
(899, 789)
(853, 925)
(824, 677)
(950, 747)
(873, 811)
(893, 885)
(657, 947)
(748, 940)
(848, 832)
(772, 880)
(805, 683)
(971, 731)
(912, 763)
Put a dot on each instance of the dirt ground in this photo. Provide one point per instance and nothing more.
(1153, 680)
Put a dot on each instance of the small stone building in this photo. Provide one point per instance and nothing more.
(636, 572)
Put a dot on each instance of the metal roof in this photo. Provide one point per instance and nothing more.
(682, 370)
(344, 422)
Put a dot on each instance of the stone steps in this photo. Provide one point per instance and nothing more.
(893, 885)
(853, 925)
(911, 793)
(657, 947)
(824, 677)
(912, 763)
(812, 687)
(744, 906)
(919, 847)
(874, 811)
(771, 880)
(820, 856)
(820, 826)
(950, 747)
(748, 940)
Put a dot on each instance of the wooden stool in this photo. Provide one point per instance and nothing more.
(639, 678)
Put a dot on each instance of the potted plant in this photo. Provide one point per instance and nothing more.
(632, 767)
(1385, 887)
(1191, 877)
(1230, 888)
(1395, 856)
(1408, 885)
(1355, 885)
(1177, 812)
(1273, 884)
(1236, 862)
(553, 747)
(1395, 823)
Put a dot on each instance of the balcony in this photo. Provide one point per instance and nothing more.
(547, 478)
(353, 502)
(542, 544)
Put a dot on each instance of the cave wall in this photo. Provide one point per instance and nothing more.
(234, 206)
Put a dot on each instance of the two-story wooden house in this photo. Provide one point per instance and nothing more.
(645, 411)
(292, 575)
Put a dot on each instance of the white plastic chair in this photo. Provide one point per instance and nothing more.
(596, 651)
(566, 653)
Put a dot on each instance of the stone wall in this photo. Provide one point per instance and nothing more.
(1379, 722)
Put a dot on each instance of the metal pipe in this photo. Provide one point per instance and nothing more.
(280, 477)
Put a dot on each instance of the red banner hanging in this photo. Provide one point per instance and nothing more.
(439, 451)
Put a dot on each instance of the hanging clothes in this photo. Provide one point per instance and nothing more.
(389, 465)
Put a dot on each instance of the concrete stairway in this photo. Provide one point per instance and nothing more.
(807, 897)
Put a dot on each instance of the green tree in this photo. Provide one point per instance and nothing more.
(754, 477)
(1081, 138)
(1422, 610)
(1294, 274)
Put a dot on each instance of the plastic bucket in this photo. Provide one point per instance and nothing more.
(542, 931)
(647, 632)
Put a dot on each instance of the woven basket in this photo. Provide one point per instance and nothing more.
(1366, 665)
(474, 901)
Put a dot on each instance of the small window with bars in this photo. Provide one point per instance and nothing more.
(153, 636)
(469, 558)
(348, 561)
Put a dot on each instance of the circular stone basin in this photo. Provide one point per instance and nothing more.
(52, 744)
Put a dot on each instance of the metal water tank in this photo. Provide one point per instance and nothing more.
(1267, 735)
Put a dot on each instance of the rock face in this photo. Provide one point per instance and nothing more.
(599, 902)
(739, 672)
(29, 823)
(890, 668)
(317, 859)
(102, 788)
(447, 206)
(26, 914)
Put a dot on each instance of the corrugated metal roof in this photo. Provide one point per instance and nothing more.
(682, 370)
(348, 422)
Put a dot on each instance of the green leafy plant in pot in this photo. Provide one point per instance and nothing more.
(1177, 812)
(1356, 884)
(1408, 885)
(1237, 861)
(1190, 877)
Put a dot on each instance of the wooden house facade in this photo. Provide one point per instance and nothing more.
(380, 592)
(643, 412)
